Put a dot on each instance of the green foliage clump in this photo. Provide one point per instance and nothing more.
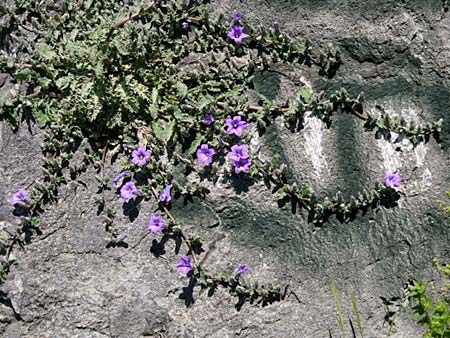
(432, 308)
(444, 207)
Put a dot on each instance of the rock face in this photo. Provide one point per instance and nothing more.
(69, 284)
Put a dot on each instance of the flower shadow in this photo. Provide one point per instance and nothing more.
(130, 208)
(187, 292)
(390, 199)
(241, 184)
(21, 210)
(158, 248)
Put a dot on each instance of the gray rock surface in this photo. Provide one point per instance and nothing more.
(69, 284)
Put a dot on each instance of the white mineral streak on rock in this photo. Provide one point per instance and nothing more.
(313, 133)
(255, 140)
(393, 160)
(425, 183)
(420, 151)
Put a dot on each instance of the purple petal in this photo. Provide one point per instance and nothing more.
(20, 196)
(116, 180)
(165, 196)
(242, 269)
(185, 265)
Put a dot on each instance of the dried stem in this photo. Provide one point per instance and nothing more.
(363, 117)
(183, 234)
(102, 173)
(133, 16)
(10, 247)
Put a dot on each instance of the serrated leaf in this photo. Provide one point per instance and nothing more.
(196, 143)
(182, 89)
(182, 117)
(155, 96)
(41, 117)
(45, 52)
(305, 93)
(163, 133)
(63, 82)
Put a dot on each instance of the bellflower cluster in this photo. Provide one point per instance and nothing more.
(129, 191)
(235, 126)
(238, 152)
(19, 197)
(239, 156)
(392, 180)
(165, 196)
(156, 224)
(140, 156)
(205, 154)
(185, 265)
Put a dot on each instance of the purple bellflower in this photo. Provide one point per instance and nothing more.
(242, 269)
(242, 165)
(165, 196)
(235, 126)
(156, 224)
(118, 178)
(237, 17)
(238, 152)
(208, 119)
(185, 265)
(237, 34)
(19, 197)
(205, 154)
(276, 27)
(140, 156)
(129, 191)
(185, 25)
(392, 180)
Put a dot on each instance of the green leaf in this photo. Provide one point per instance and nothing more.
(41, 118)
(281, 193)
(155, 96)
(182, 89)
(182, 117)
(196, 143)
(305, 93)
(64, 82)
(45, 52)
(163, 133)
(380, 123)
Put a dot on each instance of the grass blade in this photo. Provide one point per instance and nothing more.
(338, 307)
(358, 320)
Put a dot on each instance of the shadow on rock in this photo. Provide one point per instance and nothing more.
(158, 248)
(188, 292)
(241, 184)
(390, 199)
(115, 243)
(130, 208)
